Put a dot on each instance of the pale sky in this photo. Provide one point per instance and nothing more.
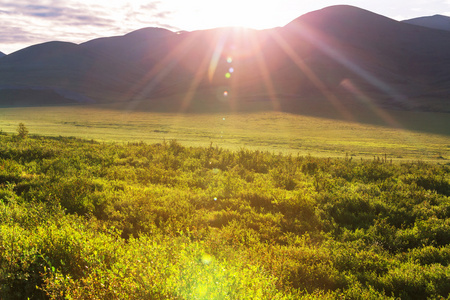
(27, 22)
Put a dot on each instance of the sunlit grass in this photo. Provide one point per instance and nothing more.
(271, 131)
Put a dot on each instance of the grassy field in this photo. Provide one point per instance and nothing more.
(86, 220)
(329, 136)
(109, 217)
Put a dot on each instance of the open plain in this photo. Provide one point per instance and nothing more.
(288, 133)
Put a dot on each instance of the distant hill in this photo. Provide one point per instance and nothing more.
(2, 54)
(435, 22)
(340, 52)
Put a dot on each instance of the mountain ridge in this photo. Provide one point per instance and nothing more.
(331, 52)
(435, 22)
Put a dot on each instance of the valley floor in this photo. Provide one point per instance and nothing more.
(397, 136)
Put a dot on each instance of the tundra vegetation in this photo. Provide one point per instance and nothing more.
(87, 220)
(415, 136)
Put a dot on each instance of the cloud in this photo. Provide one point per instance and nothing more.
(81, 15)
(43, 11)
(23, 22)
(151, 5)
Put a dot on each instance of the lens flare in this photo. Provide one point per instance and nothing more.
(206, 259)
(231, 70)
(229, 59)
(225, 93)
(228, 75)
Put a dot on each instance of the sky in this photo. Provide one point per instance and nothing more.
(27, 22)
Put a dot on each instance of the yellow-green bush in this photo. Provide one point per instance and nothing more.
(85, 220)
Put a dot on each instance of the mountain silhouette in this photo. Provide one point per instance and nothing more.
(2, 54)
(435, 22)
(337, 52)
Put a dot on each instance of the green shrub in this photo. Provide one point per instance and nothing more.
(22, 131)
(87, 220)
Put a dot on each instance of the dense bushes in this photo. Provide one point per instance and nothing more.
(84, 220)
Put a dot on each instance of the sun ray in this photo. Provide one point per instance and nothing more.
(312, 76)
(381, 113)
(352, 66)
(146, 85)
(366, 100)
(198, 77)
(220, 44)
(268, 82)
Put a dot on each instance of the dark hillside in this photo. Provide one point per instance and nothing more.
(385, 57)
(436, 22)
(63, 66)
(341, 52)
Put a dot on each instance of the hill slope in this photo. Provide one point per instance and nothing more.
(340, 51)
(435, 22)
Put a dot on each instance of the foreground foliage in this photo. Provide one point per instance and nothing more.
(84, 220)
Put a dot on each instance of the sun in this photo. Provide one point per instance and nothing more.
(203, 14)
(250, 14)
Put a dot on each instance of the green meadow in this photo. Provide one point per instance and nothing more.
(106, 203)
(81, 219)
(397, 136)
